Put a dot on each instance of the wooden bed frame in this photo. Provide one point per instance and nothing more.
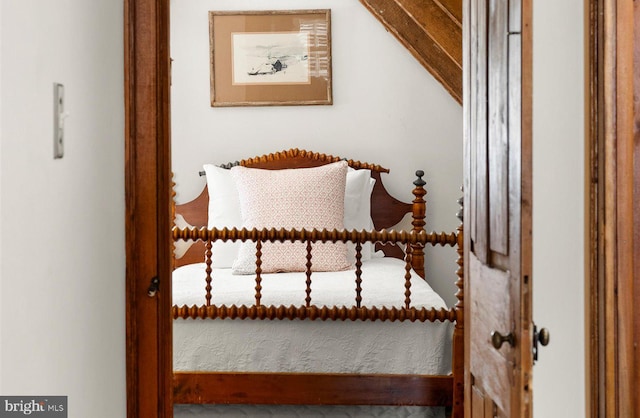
(325, 388)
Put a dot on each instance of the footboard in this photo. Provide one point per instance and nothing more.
(306, 309)
(323, 388)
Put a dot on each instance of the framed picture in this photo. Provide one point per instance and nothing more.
(269, 58)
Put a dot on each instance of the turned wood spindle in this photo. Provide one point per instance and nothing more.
(208, 270)
(258, 272)
(308, 272)
(358, 274)
(407, 276)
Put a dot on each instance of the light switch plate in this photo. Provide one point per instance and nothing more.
(58, 120)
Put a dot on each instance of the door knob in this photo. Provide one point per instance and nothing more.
(498, 339)
(543, 337)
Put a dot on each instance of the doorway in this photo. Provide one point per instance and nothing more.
(148, 196)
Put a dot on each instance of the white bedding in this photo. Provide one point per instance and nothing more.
(305, 345)
(382, 285)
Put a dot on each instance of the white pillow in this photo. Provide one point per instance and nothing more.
(223, 211)
(357, 182)
(357, 208)
(300, 198)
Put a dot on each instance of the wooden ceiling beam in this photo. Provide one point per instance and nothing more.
(453, 7)
(430, 32)
(438, 24)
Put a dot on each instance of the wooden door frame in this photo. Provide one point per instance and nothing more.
(148, 198)
(613, 181)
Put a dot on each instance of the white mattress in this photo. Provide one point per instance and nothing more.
(305, 345)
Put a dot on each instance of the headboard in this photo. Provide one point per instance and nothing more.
(386, 211)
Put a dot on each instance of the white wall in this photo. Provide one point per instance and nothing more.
(387, 109)
(1, 136)
(62, 274)
(559, 206)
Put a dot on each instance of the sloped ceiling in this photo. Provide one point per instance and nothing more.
(431, 30)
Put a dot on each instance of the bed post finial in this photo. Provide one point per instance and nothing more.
(419, 210)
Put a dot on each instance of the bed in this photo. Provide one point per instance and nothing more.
(328, 314)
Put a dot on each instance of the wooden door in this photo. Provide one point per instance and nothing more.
(498, 358)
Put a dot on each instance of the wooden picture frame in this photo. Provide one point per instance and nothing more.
(270, 58)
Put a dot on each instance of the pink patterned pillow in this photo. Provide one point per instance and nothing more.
(301, 198)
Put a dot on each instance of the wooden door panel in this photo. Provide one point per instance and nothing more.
(479, 202)
(492, 368)
(515, 17)
(497, 130)
(483, 406)
(491, 297)
(477, 403)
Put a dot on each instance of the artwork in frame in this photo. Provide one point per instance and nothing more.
(270, 58)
